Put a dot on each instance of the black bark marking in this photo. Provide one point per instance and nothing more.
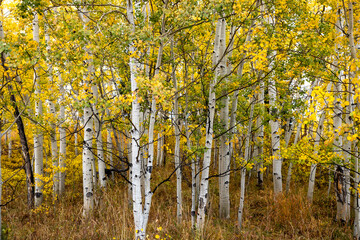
(38, 195)
(201, 204)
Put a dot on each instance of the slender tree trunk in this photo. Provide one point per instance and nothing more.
(356, 232)
(38, 138)
(177, 128)
(135, 135)
(188, 152)
(88, 156)
(99, 141)
(259, 165)
(350, 106)
(109, 147)
(275, 139)
(130, 189)
(340, 189)
(62, 133)
(158, 149)
(53, 140)
(87, 162)
(246, 160)
(204, 185)
(224, 154)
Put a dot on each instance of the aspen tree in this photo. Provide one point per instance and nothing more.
(53, 140)
(135, 135)
(204, 183)
(349, 121)
(274, 122)
(246, 160)
(88, 157)
(98, 137)
(38, 138)
(341, 213)
(109, 146)
(177, 127)
(62, 136)
(224, 154)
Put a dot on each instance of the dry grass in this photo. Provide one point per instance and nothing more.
(289, 217)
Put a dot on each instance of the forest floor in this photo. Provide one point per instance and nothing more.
(289, 217)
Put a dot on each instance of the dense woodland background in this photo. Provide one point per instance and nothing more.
(179, 119)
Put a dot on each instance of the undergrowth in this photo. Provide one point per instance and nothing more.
(289, 217)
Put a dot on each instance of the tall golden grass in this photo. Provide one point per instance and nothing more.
(289, 217)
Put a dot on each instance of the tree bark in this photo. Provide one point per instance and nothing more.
(38, 138)
(204, 184)
(246, 160)
(62, 135)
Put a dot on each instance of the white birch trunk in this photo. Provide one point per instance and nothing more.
(99, 141)
(246, 160)
(204, 184)
(38, 138)
(158, 149)
(62, 133)
(275, 139)
(109, 147)
(356, 232)
(356, 203)
(135, 136)
(87, 162)
(177, 130)
(259, 165)
(130, 175)
(350, 107)
(338, 144)
(224, 154)
(192, 159)
(53, 140)
(88, 156)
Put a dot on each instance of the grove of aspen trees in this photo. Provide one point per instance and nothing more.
(179, 119)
